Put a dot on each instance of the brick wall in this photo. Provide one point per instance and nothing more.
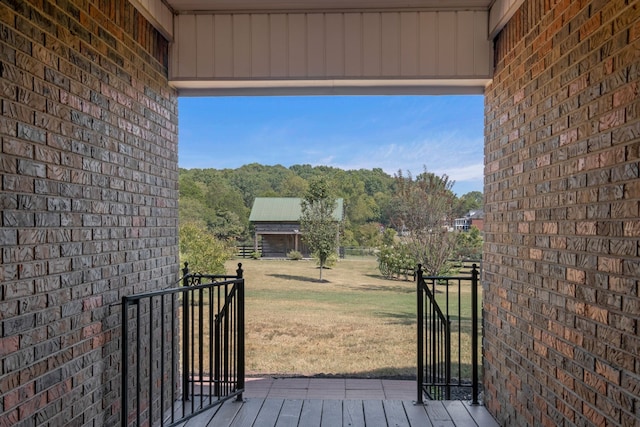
(562, 222)
(88, 139)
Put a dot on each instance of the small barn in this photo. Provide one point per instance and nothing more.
(276, 222)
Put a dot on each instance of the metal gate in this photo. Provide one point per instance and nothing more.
(182, 349)
(448, 335)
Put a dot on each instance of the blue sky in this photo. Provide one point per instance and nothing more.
(442, 133)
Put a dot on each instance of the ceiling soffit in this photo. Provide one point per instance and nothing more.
(472, 45)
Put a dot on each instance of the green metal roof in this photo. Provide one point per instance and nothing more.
(284, 209)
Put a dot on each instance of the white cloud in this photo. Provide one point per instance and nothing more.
(460, 158)
(473, 172)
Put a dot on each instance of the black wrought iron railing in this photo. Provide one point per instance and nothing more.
(182, 349)
(448, 336)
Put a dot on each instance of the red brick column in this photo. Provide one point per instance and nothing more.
(562, 299)
(88, 201)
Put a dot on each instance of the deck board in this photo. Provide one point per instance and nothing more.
(280, 412)
(200, 420)
(417, 415)
(311, 413)
(290, 413)
(374, 413)
(247, 414)
(226, 413)
(331, 413)
(295, 402)
(458, 413)
(438, 414)
(394, 412)
(353, 413)
(480, 415)
(268, 415)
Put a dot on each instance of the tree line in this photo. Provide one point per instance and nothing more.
(221, 199)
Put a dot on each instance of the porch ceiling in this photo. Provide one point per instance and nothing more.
(265, 47)
(324, 5)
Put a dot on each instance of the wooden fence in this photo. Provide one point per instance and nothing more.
(246, 251)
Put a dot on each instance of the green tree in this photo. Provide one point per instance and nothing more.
(421, 213)
(317, 223)
(252, 180)
(190, 210)
(376, 181)
(294, 186)
(206, 197)
(369, 235)
(469, 244)
(473, 200)
(190, 188)
(231, 216)
(202, 250)
(348, 237)
(384, 205)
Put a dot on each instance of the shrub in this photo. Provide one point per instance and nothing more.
(204, 252)
(395, 260)
(294, 255)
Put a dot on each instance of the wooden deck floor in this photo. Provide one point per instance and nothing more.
(304, 402)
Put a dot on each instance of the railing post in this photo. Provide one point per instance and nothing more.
(185, 335)
(474, 334)
(217, 355)
(239, 271)
(241, 366)
(447, 357)
(420, 297)
(124, 392)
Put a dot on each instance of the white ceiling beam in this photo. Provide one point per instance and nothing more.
(158, 14)
(332, 87)
(500, 13)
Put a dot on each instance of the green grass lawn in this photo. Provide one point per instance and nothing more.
(355, 323)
